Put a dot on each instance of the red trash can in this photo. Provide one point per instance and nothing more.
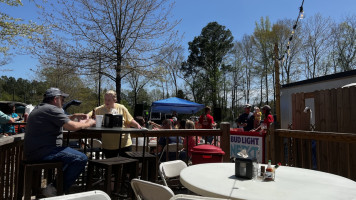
(207, 153)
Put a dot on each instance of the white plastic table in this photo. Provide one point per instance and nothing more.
(218, 180)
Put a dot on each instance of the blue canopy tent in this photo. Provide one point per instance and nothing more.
(181, 106)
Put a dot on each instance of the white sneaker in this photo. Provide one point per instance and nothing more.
(49, 191)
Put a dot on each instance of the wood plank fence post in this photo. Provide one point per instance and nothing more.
(225, 140)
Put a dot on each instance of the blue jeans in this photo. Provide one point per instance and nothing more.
(209, 139)
(73, 164)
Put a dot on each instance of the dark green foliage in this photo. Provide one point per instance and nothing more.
(205, 62)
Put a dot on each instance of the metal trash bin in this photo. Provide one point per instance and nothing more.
(207, 154)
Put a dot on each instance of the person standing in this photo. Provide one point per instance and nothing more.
(246, 120)
(44, 137)
(206, 121)
(110, 141)
(268, 120)
(257, 115)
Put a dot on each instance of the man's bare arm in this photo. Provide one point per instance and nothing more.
(74, 126)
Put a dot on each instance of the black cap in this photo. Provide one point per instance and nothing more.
(53, 92)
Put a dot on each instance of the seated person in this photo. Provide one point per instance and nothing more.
(9, 129)
(4, 118)
(44, 137)
(168, 124)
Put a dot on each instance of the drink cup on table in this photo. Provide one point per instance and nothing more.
(99, 120)
(263, 126)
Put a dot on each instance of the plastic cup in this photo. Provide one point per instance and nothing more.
(99, 120)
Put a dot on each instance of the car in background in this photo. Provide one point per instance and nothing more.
(20, 107)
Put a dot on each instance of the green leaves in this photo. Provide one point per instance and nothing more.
(207, 53)
(13, 30)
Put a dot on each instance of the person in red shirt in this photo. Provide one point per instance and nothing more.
(268, 120)
(207, 122)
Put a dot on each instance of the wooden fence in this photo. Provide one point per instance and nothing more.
(11, 152)
(324, 151)
(334, 110)
(329, 145)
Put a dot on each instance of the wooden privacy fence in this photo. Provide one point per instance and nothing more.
(331, 146)
(334, 110)
(324, 151)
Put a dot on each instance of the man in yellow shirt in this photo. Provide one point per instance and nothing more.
(111, 140)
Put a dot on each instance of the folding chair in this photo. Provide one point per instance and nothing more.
(171, 169)
(145, 190)
(92, 195)
(192, 197)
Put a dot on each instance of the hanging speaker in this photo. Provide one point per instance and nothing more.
(138, 110)
(217, 114)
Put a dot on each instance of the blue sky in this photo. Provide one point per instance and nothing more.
(237, 15)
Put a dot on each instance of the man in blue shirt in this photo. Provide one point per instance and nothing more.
(246, 120)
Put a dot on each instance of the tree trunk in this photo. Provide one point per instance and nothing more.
(118, 84)
(266, 79)
(261, 102)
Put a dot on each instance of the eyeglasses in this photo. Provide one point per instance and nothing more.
(60, 97)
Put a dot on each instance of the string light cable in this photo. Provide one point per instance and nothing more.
(300, 16)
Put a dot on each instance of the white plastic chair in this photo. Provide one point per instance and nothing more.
(93, 195)
(192, 197)
(171, 169)
(145, 190)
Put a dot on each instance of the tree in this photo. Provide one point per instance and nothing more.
(282, 32)
(13, 30)
(344, 42)
(137, 82)
(61, 75)
(171, 60)
(316, 45)
(127, 34)
(207, 52)
(263, 42)
(194, 82)
(245, 47)
(239, 77)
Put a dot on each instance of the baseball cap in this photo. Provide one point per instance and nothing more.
(247, 106)
(266, 107)
(53, 92)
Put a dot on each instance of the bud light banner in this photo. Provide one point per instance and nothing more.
(253, 142)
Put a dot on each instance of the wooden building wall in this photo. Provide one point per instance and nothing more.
(334, 111)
